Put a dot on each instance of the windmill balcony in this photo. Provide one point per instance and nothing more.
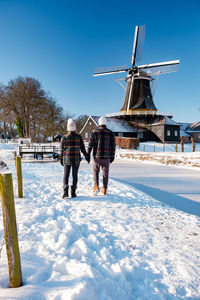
(139, 113)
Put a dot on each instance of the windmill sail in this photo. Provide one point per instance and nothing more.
(138, 92)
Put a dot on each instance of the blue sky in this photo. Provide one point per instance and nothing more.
(60, 43)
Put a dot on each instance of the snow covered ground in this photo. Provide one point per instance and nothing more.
(153, 153)
(125, 245)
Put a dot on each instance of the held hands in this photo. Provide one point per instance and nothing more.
(87, 158)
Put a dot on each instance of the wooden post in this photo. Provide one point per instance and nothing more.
(10, 230)
(144, 148)
(15, 154)
(164, 147)
(19, 176)
(154, 148)
(182, 144)
(176, 148)
(193, 145)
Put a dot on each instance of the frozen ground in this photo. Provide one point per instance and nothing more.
(125, 245)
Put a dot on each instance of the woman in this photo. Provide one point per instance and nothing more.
(71, 147)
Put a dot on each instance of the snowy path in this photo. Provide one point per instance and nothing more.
(175, 186)
(125, 245)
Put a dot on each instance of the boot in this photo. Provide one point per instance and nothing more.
(104, 191)
(73, 192)
(65, 194)
(95, 190)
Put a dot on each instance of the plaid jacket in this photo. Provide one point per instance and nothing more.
(102, 141)
(71, 144)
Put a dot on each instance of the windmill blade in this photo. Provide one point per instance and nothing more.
(161, 64)
(138, 44)
(162, 70)
(111, 70)
(135, 45)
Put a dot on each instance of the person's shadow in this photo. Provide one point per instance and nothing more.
(173, 200)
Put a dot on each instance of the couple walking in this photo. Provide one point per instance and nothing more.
(102, 143)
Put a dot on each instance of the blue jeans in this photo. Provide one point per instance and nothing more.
(74, 175)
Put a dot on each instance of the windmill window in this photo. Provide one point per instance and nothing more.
(86, 135)
(90, 123)
(168, 132)
(159, 132)
(175, 133)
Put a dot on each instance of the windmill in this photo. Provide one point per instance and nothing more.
(138, 97)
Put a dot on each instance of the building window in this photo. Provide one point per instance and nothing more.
(176, 133)
(90, 123)
(168, 132)
(159, 132)
(86, 135)
(120, 133)
(140, 135)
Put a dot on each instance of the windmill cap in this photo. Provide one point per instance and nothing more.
(102, 121)
(71, 125)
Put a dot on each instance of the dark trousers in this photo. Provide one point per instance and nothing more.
(67, 169)
(104, 163)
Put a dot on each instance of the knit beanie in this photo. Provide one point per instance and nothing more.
(71, 125)
(102, 121)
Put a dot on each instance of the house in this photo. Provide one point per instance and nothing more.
(166, 131)
(184, 135)
(119, 127)
(194, 131)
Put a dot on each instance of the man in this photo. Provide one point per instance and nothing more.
(102, 142)
(71, 145)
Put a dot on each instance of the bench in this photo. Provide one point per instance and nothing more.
(39, 151)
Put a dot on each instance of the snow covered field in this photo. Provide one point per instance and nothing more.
(125, 245)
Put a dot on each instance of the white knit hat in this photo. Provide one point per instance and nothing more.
(102, 121)
(71, 125)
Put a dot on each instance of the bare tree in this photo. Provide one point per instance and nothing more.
(80, 122)
(25, 105)
(54, 119)
(22, 95)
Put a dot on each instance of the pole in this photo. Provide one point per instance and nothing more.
(163, 147)
(19, 176)
(182, 144)
(10, 230)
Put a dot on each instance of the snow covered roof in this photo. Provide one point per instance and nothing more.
(116, 125)
(184, 126)
(166, 121)
(195, 127)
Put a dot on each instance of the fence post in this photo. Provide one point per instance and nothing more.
(164, 147)
(193, 145)
(154, 148)
(144, 148)
(176, 148)
(10, 230)
(19, 176)
(182, 144)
